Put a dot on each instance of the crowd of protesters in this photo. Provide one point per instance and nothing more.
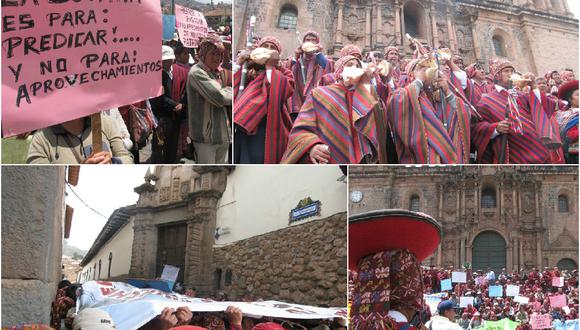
(534, 284)
(381, 107)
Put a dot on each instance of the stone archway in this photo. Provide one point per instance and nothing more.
(415, 20)
(567, 264)
(489, 250)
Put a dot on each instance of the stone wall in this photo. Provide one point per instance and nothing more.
(304, 264)
(32, 232)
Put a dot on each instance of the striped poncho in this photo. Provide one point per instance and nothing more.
(315, 69)
(537, 143)
(353, 134)
(266, 100)
(419, 132)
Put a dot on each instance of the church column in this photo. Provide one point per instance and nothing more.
(439, 255)
(434, 26)
(539, 251)
(508, 253)
(451, 32)
(521, 253)
(537, 195)
(477, 201)
(499, 202)
(338, 39)
(475, 38)
(402, 35)
(397, 23)
(469, 253)
(440, 211)
(379, 32)
(368, 28)
(458, 245)
(462, 253)
(515, 252)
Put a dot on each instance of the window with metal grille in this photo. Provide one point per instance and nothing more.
(414, 204)
(288, 17)
(563, 204)
(488, 199)
(498, 46)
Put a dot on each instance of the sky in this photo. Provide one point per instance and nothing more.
(574, 7)
(104, 188)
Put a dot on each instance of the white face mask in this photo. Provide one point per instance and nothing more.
(351, 72)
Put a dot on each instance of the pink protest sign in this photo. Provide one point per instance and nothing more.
(191, 25)
(541, 321)
(68, 59)
(558, 282)
(558, 301)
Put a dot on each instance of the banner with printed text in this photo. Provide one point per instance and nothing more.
(64, 59)
(131, 307)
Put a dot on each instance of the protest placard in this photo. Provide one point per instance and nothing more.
(480, 280)
(170, 273)
(541, 321)
(446, 284)
(558, 301)
(63, 60)
(522, 299)
(464, 301)
(496, 291)
(168, 27)
(512, 290)
(191, 25)
(558, 282)
(459, 277)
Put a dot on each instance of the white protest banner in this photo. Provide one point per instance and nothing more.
(170, 273)
(558, 301)
(191, 26)
(558, 282)
(512, 290)
(464, 301)
(459, 277)
(131, 308)
(63, 60)
(522, 299)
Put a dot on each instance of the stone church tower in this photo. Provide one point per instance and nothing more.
(536, 35)
(497, 217)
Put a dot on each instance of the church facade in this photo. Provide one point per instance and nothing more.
(536, 35)
(512, 217)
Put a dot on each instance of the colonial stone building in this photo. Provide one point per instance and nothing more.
(228, 229)
(537, 35)
(513, 217)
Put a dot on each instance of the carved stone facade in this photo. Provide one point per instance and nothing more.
(537, 35)
(186, 195)
(533, 209)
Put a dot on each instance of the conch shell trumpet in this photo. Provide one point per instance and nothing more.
(517, 80)
(384, 68)
(261, 55)
(309, 47)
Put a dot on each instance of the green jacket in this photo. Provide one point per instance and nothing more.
(207, 102)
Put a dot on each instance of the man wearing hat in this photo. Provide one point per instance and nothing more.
(262, 121)
(568, 120)
(445, 320)
(341, 123)
(516, 128)
(309, 60)
(209, 100)
(167, 108)
(426, 128)
(385, 261)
